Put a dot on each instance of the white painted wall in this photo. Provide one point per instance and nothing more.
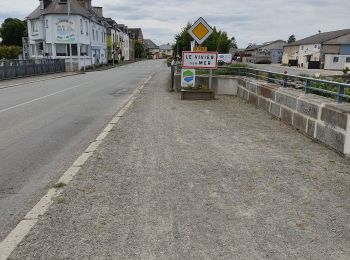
(336, 62)
(305, 50)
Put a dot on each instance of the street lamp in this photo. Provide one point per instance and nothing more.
(69, 34)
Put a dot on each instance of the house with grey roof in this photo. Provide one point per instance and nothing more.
(79, 37)
(136, 34)
(152, 49)
(328, 50)
(268, 52)
(166, 50)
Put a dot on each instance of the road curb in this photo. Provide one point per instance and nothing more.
(14, 238)
(41, 80)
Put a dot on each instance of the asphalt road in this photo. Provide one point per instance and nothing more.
(44, 126)
(278, 68)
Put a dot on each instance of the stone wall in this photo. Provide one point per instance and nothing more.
(317, 117)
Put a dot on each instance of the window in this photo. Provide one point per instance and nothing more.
(34, 26)
(97, 36)
(61, 50)
(93, 34)
(86, 28)
(64, 50)
(46, 23)
(84, 50)
(74, 50)
(347, 59)
(81, 26)
(335, 59)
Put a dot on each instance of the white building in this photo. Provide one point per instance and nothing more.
(52, 33)
(125, 38)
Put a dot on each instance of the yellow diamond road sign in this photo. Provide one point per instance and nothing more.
(200, 31)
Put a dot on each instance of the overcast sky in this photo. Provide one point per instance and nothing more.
(250, 21)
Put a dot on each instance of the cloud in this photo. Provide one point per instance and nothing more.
(249, 21)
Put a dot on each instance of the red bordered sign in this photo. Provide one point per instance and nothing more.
(199, 60)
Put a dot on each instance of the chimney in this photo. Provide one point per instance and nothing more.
(85, 3)
(98, 10)
(44, 4)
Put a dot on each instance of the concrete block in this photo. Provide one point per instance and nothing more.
(275, 110)
(287, 116)
(334, 117)
(253, 99)
(252, 87)
(330, 137)
(300, 122)
(307, 108)
(311, 127)
(267, 92)
(264, 104)
(227, 86)
(286, 100)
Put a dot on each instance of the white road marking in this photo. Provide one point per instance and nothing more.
(41, 98)
(9, 244)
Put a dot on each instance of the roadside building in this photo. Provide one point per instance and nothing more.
(166, 50)
(152, 50)
(269, 52)
(125, 38)
(52, 34)
(329, 50)
(136, 34)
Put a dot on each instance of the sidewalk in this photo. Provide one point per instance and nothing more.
(26, 80)
(199, 180)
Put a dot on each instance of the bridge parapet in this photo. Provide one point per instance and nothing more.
(318, 117)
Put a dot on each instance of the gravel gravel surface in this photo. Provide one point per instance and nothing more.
(199, 180)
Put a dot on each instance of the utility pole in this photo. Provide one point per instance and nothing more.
(69, 39)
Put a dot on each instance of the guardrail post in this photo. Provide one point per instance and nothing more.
(269, 77)
(285, 81)
(341, 91)
(172, 76)
(307, 87)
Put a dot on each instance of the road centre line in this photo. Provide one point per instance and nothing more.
(41, 98)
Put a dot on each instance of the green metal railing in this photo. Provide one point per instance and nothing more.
(332, 89)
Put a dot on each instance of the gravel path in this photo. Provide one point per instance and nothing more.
(200, 180)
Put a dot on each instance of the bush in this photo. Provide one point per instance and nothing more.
(346, 70)
(9, 52)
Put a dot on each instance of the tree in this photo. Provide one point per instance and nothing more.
(217, 41)
(291, 38)
(139, 50)
(9, 52)
(183, 40)
(234, 43)
(12, 30)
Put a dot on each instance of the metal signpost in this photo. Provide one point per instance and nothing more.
(199, 58)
